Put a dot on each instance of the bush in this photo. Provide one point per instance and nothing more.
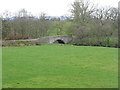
(19, 43)
(111, 42)
(15, 36)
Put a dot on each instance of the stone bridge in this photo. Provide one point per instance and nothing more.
(59, 39)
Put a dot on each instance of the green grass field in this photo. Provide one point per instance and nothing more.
(60, 66)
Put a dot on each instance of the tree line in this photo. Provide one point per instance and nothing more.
(91, 25)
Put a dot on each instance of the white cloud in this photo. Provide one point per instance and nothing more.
(113, 3)
(51, 7)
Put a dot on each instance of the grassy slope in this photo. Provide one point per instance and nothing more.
(59, 66)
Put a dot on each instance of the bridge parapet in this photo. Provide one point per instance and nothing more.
(52, 39)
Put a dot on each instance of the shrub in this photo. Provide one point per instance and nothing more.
(15, 36)
(19, 43)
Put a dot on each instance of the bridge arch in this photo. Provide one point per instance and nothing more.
(60, 41)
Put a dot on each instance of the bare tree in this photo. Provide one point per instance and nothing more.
(81, 11)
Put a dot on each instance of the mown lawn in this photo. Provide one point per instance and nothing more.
(60, 66)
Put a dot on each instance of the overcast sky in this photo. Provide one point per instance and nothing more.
(50, 7)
